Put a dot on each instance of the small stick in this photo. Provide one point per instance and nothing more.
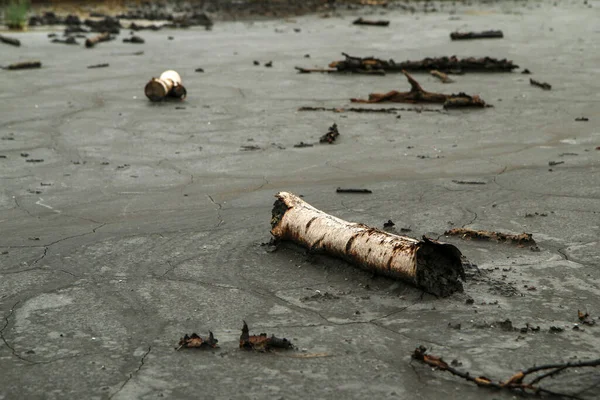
(9, 40)
(302, 70)
(467, 233)
(103, 37)
(24, 65)
(543, 85)
(430, 265)
(99, 65)
(476, 35)
(441, 76)
(340, 190)
(361, 21)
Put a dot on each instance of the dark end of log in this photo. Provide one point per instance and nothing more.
(279, 210)
(439, 268)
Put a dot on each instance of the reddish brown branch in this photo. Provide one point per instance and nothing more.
(516, 381)
(419, 95)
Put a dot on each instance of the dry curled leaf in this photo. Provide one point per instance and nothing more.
(196, 342)
(262, 342)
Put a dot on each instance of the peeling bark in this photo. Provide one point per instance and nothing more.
(167, 85)
(430, 265)
(419, 95)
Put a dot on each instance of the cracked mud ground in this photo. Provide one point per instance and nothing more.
(144, 221)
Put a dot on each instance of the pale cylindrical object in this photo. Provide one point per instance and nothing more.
(430, 265)
(168, 84)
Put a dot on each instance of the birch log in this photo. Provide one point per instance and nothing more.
(430, 265)
(168, 84)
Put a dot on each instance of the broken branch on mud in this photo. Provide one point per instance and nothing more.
(389, 110)
(9, 40)
(103, 37)
(24, 65)
(428, 264)
(466, 233)
(476, 35)
(543, 85)
(445, 64)
(350, 190)
(330, 71)
(514, 383)
(418, 95)
(262, 342)
(362, 21)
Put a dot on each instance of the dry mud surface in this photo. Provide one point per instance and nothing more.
(145, 221)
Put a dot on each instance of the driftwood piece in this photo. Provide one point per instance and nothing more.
(441, 76)
(262, 342)
(526, 380)
(197, 342)
(430, 265)
(418, 95)
(466, 233)
(24, 65)
(351, 190)
(543, 85)
(445, 64)
(362, 21)
(9, 40)
(476, 35)
(388, 110)
(103, 37)
(134, 39)
(302, 70)
(167, 85)
(103, 65)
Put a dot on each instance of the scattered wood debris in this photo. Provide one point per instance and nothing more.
(134, 39)
(249, 148)
(392, 110)
(24, 65)
(468, 182)
(553, 163)
(9, 40)
(582, 119)
(351, 190)
(430, 265)
(262, 342)
(476, 35)
(514, 383)
(451, 64)
(441, 76)
(199, 70)
(103, 37)
(104, 65)
(388, 224)
(526, 72)
(302, 70)
(418, 95)
(67, 40)
(331, 135)
(269, 64)
(543, 85)
(302, 145)
(362, 21)
(167, 85)
(34, 160)
(466, 233)
(197, 342)
(585, 318)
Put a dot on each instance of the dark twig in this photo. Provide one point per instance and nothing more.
(515, 382)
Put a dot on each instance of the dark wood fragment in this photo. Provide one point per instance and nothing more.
(543, 85)
(362, 21)
(9, 40)
(476, 35)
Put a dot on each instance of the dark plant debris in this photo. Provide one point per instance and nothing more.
(392, 110)
(476, 35)
(24, 65)
(388, 224)
(468, 182)
(331, 135)
(362, 21)
(262, 342)
(199, 70)
(543, 85)
(9, 40)
(302, 145)
(466, 233)
(585, 318)
(351, 190)
(526, 72)
(582, 119)
(553, 163)
(451, 64)
(134, 39)
(197, 342)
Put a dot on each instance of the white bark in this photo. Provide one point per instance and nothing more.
(433, 266)
(168, 84)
